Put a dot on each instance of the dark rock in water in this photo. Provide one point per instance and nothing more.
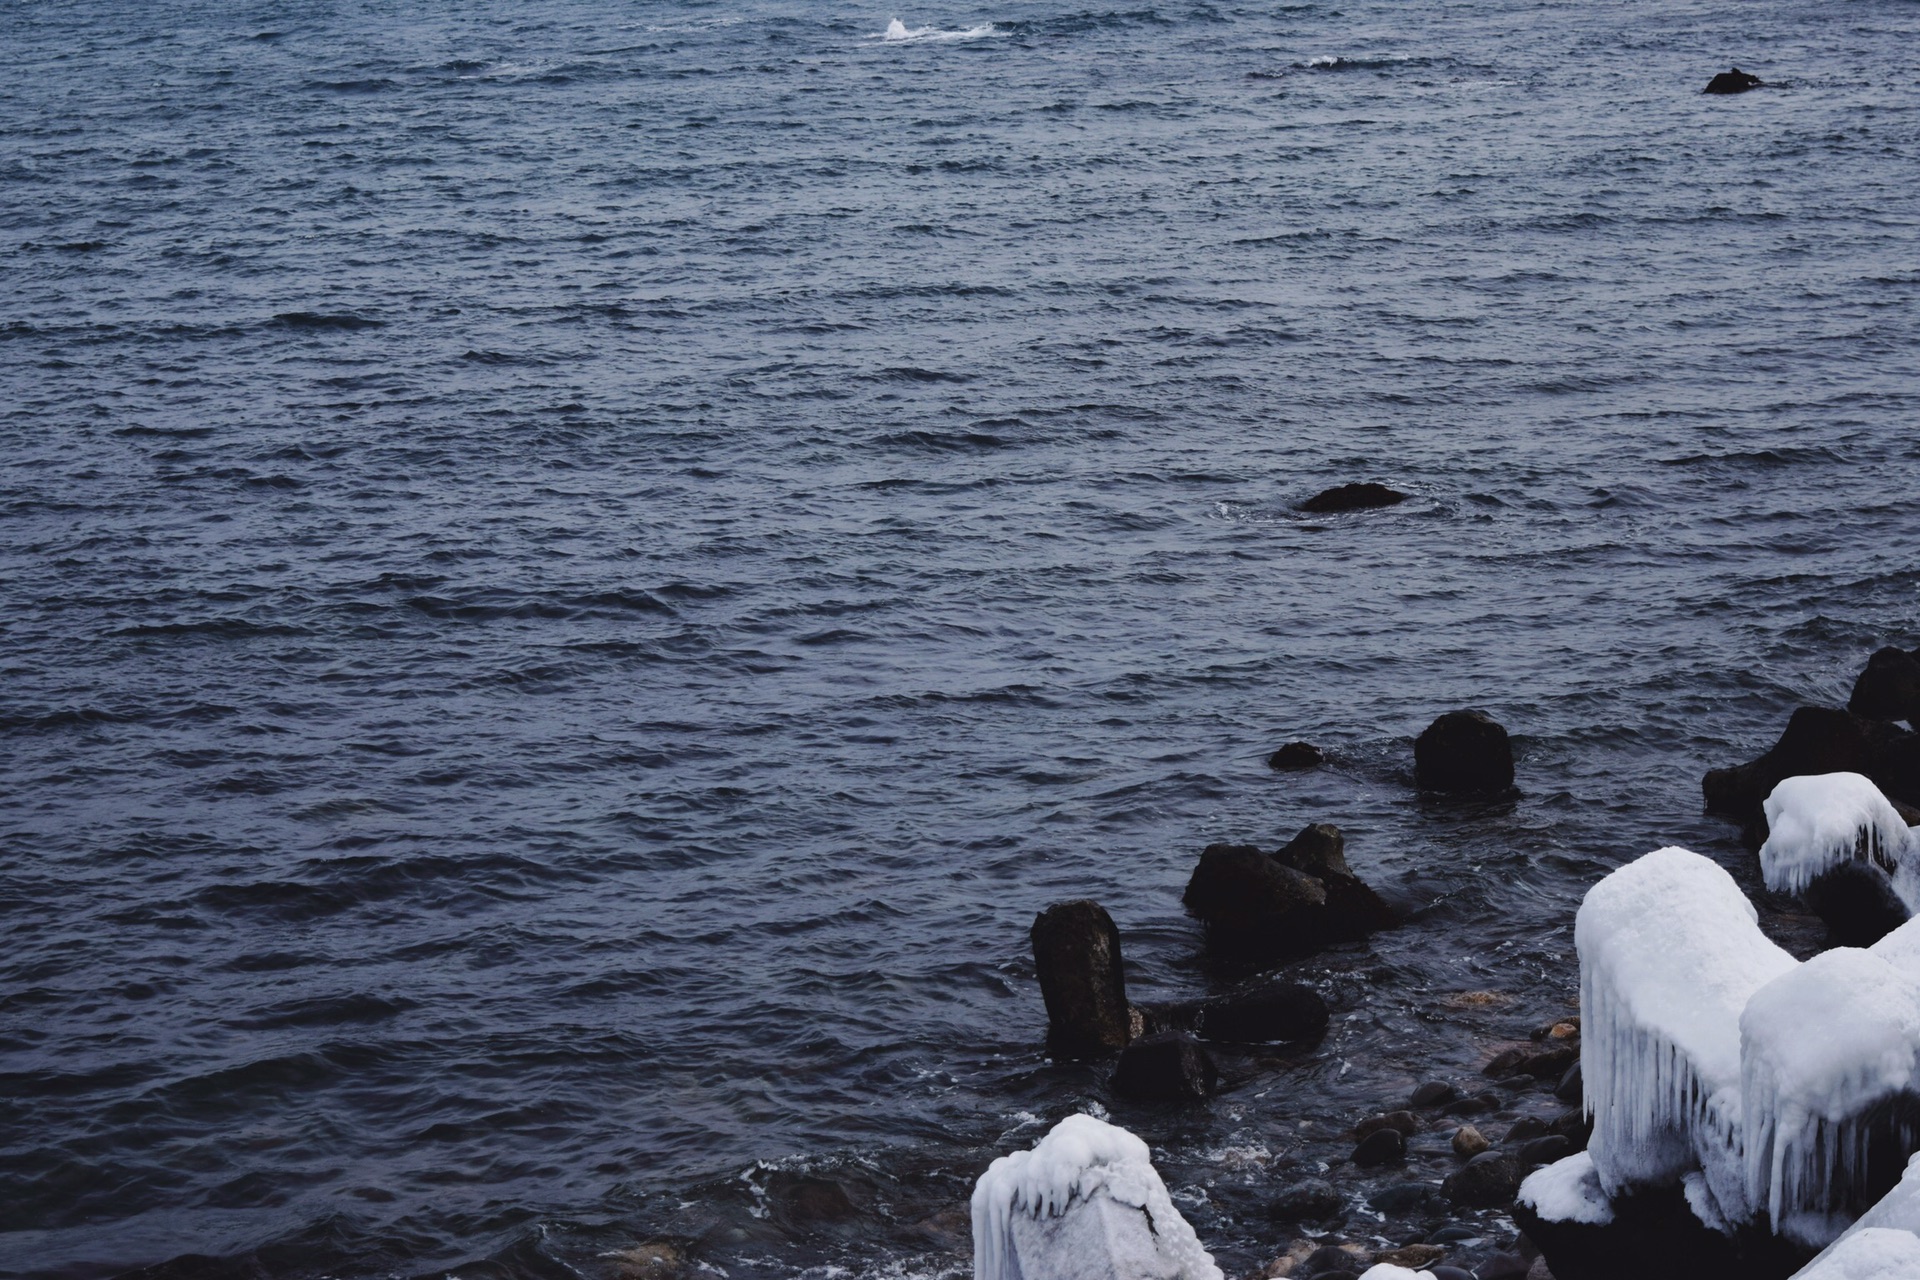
(800, 1199)
(1488, 1181)
(1297, 755)
(1383, 1146)
(1309, 1201)
(1403, 1198)
(1454, 1233)
(1571, 1087)
(1543, 1061)
(1169, 1066)
(1817, 740)
(1573, 1124)
(1734, 81)
(1319, 850)
(1328, 1260)
(1463, 752)
(1478, 1104)
(1444, 1272)
(1525, 1129)
(1263, 1013)
(1655, 1236)
(1258, 907)
(1403, 1122)
(1544, 1150)
(1352, 497)
(1858, 904)
(1503, 1266)
(1433, 1093)
(1889, 688)
(1076, 950)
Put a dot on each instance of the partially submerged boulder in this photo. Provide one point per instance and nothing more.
(1889, 688)
(1734, 81)
(1352, 497)
(1463, 752)
(1297, 755)
(1084, 1204)
(1167, 1066)
(1817, 740)
(1261, 908)
(1076, 950)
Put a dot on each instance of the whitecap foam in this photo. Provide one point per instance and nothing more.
(898, 32)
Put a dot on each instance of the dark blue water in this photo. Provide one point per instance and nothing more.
(573, 574)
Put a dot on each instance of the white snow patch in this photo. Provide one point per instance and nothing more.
(1816, 822)
(1387, 1271)
(1567, 1191)
(1669, 955)
(1878, 1253)
(1080, 1162)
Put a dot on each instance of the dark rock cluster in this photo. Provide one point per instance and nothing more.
(1261, 908)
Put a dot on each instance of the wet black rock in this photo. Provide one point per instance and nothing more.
(1889, 688)
(1169, 1066)
(1311, 1201)
(1542, 1061)
(1432, 1093)
(1734, 81)
(1525, 1129)
(1262, 1013)
(1297, 755)
(1858, 904)
(1403, 1122)
(1488, 1181)
(1383, 1146)
(1454, 1233)
(1817, 740)
(1352, 497)
(1076, 950)
(1544, 1150)
(1476, 1104)
(1573, 1124)
(1655, 1236)
(1403, 1198)
(1503, 1266)
(1327, 1260)
(1262, 907)
(1463, 752)
(1572, 1088)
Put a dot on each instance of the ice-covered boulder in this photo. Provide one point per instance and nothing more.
(1830, 1055)
(1817, 822)
(1670, 953)
(1878, 1253)
(1387, 1271)
(1568, 1191)
(1084, 1204)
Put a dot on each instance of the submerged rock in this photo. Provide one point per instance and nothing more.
(1734, 81)
(1076, 951)
(1463, 752)
(1260, 907)
(1263, 1013)
(1311, 1201)
(1168, 1066)
(1352, 497)
(1297, 755)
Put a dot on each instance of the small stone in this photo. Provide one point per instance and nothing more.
(1385, 1146)
(1477, 1104)
(1404, 1121)
(1327, 1260)
(1525, 1129)
(1403, 1197)
(1545, 1150)
(1309, 1201)
(1543, 1061)
(1469, 1142)
(1488, 1181)
(1414, 1257)
(1297, 755)
(1454, 1233)
(1432, 1094)
(1571, 1087)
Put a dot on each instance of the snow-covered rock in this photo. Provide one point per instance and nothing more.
(1816, 822)
(1879, 1253)
(1387, 1271)
(1822, 1047)
(1568, 1191)
(1084, 1204)
(1670, 953)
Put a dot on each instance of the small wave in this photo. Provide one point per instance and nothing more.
(898, 32)
(1334, 62)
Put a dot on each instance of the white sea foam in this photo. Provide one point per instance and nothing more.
(898, 32)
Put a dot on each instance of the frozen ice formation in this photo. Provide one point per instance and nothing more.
(1084, 1204)
(1670, 953)
(1714, 1060)
(1875, 1254)
(1568, 1191)
(1816, 822)
(1387, 1271)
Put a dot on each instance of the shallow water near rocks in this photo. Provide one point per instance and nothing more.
(575, 574)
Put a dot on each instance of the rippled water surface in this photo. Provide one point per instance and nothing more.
(573, 574)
